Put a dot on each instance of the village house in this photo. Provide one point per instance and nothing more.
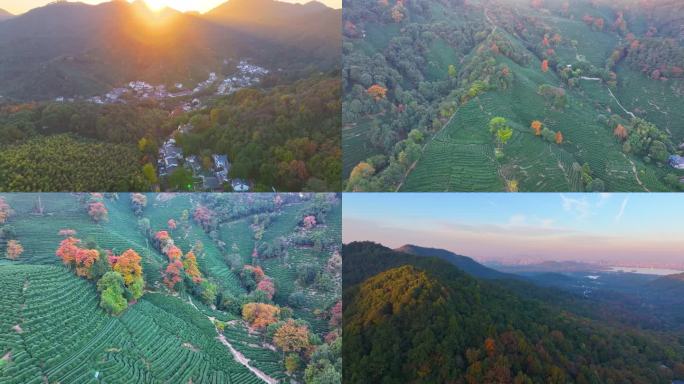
(221, 167)
(676, 162)
(239, 185)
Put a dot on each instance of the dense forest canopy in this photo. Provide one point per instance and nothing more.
(424, 79)
(420, 319)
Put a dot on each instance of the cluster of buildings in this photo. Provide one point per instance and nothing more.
(246, 76)
(171, 158)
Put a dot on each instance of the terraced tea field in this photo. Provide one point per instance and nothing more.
(53, 329)
(419, 105)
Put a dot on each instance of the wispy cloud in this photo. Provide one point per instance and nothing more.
(618, 217)
(579, 207)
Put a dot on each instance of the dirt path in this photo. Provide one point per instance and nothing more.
(636, 174)
(611, 94)
(239, 357)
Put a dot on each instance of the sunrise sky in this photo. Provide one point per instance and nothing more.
(20, 6)
(623, 229)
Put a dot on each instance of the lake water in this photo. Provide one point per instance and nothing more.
(647, 271)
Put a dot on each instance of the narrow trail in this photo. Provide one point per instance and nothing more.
(611, 94)
(636, 174)
(237, 355)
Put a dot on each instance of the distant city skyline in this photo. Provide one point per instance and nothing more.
(18, 7)
(618, 229)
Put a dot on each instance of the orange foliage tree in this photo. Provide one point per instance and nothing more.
(490, 346)
(559, 138)
(260, 315)
(191, 268)
(545, 66)
(292, 338)
(537, 127)
(74, 256)
(128, 265)
(378, 92)
(620, 132)
(14, 249)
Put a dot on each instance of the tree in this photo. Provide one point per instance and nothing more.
(559, 138)
(98, 212)
(309, 221)
(260, 315)
(266, 286)
(171, 224)
(111, 288)
(376, 91)
(209, 291)
(150, 173)
(452, 71)
(129, 267)
(336, 314)
(503, 135)
(620, 132)
(292, 338)
(172, 275)
(5, 210)
(181, 180)
(139, 202)
(14, 249)
(76, 257)
(292, 362)
(191, 268)
(545, 65)
(537, 127)
(497, 123)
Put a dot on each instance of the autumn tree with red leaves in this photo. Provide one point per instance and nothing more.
(266, 285)
(620, 132)
(545, 66)
(172, 275)
(98, 212)
(5, 211)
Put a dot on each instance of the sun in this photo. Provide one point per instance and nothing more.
(156, 5)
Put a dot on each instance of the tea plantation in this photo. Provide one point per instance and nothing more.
(603, 78)
(55, 328)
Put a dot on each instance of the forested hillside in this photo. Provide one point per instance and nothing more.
(421, 319)
(487, 95)
(153, 288)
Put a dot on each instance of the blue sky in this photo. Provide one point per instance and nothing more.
(614, 228)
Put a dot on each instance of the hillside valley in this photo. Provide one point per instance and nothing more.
(486, 95)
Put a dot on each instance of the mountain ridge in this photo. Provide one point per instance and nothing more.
(465, 263)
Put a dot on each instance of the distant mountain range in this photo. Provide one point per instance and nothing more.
(74, 49)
